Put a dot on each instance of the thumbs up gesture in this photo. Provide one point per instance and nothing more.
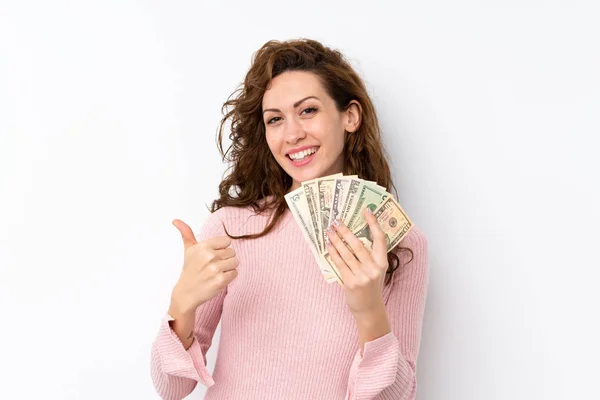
(208, 267)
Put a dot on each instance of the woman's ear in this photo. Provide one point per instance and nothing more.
(353, 116)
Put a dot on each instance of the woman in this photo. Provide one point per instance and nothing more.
(286, 333)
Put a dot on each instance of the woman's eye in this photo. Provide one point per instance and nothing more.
(275, 119)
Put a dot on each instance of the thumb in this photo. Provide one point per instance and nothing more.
(379, 252)
(186, 233)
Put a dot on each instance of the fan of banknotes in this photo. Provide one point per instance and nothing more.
(318, 202)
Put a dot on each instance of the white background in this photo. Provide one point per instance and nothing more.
(108, 115)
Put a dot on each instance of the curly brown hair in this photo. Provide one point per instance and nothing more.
(255, 174)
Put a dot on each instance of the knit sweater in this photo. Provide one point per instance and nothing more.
(288, 334)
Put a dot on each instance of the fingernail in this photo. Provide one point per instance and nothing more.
(337, 222)
(369, 211)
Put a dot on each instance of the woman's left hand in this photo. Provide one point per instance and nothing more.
(363, 274)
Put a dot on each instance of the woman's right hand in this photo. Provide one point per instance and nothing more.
(208, 267)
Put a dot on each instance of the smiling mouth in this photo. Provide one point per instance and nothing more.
(305, 157)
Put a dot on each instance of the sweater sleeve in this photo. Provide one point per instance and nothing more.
(387, 369)
(176, 371)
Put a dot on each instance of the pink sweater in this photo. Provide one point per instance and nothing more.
(288, 334)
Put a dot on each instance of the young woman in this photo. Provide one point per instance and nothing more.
(286, 333)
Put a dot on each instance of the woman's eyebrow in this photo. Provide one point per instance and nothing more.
(296, 104)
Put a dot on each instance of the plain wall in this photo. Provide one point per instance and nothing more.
(108, 116)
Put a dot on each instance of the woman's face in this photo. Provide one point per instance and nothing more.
(304, 130)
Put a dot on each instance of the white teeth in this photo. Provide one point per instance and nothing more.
(301, 154)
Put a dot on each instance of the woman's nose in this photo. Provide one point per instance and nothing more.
(294, 132)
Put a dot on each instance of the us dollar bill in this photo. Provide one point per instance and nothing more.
(393, 221)
(296, 202)
(370, 196)
(333, 267)
(351, 192)
(325, 186)
(340, 189)
(311, 193)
